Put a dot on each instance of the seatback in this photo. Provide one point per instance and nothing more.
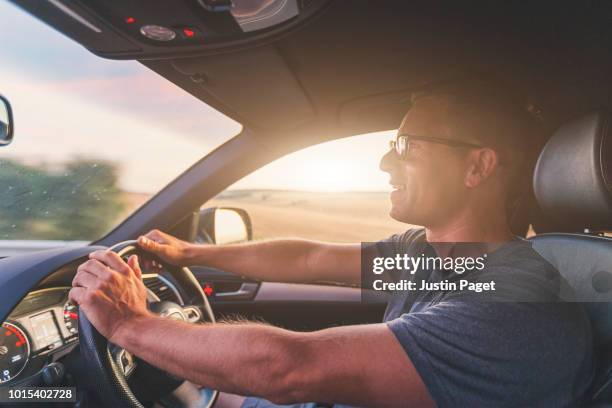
(573, 187)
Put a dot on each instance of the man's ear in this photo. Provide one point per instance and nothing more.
(481, 164)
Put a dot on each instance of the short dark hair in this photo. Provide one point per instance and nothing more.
(488, 112)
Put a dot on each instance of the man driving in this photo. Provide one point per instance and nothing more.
(454, 168)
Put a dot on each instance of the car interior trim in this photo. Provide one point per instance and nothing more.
(74, 15)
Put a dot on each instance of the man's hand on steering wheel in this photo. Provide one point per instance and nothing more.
(170, 249)
(111, 292)
(113, 308)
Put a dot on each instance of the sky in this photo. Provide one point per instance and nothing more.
(70, 103)
(349, 164)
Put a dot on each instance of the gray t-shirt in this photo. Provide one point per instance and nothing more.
(481, 350)
(489, 350)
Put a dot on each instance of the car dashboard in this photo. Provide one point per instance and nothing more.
(43, 327)
(40, 330)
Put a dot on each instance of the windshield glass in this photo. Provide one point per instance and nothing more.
(94, 138)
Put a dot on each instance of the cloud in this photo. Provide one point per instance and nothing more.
(41, 54)
(56, 123)
(69, 102)
(29, 44)
(150, 98)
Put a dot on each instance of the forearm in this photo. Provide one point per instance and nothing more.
(245, 359)
(284, 260)
(355, 365)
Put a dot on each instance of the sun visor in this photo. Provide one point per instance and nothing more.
(241, 83)
(375, 112)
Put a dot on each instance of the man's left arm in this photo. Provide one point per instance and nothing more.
(359, 365)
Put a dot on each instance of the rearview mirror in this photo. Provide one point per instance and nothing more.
(6, 121)
(224, 225)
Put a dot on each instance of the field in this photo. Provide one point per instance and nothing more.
(337, 217)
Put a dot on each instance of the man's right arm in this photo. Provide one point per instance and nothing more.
(280, 260)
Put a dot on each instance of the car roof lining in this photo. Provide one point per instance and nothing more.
(338, 72)
(351, 69)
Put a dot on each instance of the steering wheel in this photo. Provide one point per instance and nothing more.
(116, 377)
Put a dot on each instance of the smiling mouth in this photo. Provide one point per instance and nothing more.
(398, 186)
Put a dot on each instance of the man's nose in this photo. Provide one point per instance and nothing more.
(388, 161)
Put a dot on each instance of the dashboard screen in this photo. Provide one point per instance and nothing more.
(45, 331)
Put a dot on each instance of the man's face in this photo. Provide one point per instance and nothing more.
(428, 187)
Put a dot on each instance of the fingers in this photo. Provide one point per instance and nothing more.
(133, 263)
(84, 279)
(96, 268)
(147, 243)
(157, 236)
(103, 263)
(76, 295)
(110, 259)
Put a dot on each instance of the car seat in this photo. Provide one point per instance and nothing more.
(573, 187)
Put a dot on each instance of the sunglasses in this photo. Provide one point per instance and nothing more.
(401, 145)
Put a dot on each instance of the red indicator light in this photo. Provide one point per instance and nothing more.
(188, 32)
(71, 315)
(130, 20)
(208, 290)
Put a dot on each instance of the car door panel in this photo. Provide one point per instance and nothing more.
(289, 305)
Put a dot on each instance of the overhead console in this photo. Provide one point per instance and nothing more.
(153, 29)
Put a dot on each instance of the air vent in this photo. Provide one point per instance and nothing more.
(162, 288)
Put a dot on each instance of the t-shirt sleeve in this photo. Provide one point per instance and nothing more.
(388, 248)
(469, 353)
(399, 243)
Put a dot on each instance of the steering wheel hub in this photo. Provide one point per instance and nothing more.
(168, 310)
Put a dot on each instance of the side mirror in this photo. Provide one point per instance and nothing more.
(6, 122)
(224, 225)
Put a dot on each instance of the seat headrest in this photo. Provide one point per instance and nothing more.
(573, 175)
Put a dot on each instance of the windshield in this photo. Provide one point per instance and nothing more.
(94, 138)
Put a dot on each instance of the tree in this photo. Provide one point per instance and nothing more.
(79, 201)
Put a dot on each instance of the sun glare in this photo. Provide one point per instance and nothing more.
(324, 175)
(349, 164)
